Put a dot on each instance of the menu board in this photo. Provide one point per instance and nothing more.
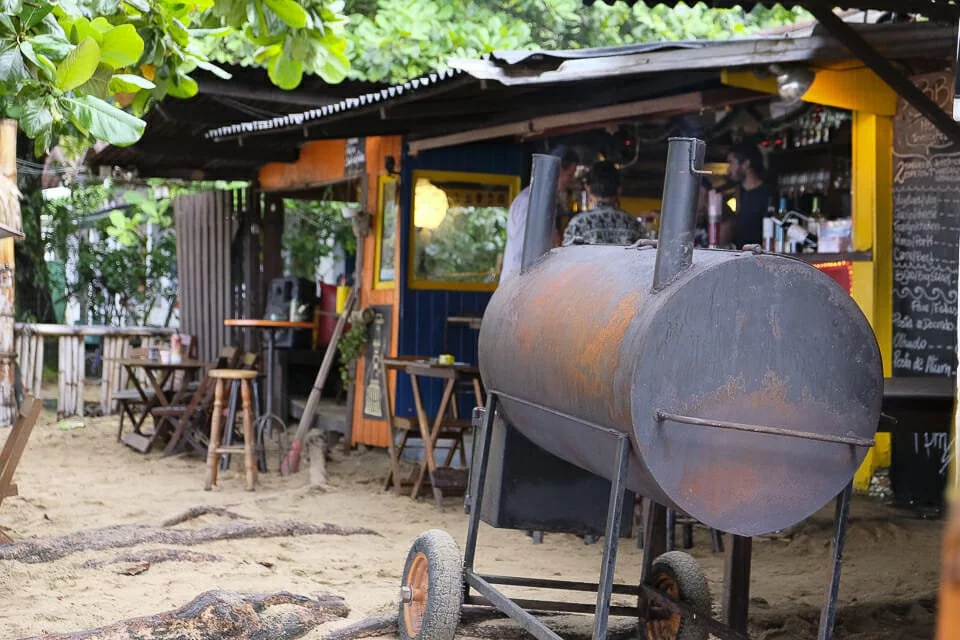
(926, 229)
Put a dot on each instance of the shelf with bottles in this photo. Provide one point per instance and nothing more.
(818, 129)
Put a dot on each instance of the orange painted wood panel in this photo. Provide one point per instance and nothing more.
(365, 431)
(319, 161)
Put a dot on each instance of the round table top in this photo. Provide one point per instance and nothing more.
(159, 364)
(258, 323)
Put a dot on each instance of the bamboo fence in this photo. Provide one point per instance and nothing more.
(70, 376)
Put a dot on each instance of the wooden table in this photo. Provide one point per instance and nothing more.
(419, 367)
(918, 404)
(151, 368)
(270, 327)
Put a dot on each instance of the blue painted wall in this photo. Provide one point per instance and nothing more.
(422, 312)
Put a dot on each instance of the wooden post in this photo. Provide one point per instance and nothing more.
(10, 215)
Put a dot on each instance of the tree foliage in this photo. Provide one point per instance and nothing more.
(80, 67)
(395, 40)
(312, 230)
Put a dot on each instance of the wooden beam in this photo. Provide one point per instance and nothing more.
(199, 151)
(859, 47)
(590, 118)
(229, 89)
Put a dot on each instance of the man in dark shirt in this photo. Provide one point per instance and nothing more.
(755, 196)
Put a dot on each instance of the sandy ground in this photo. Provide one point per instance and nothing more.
(82, 478)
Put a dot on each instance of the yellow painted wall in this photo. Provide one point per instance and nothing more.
(849, 85)
(872, 193)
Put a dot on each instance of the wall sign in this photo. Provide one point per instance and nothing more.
(355, 156)
(926, 223)
(378, 345)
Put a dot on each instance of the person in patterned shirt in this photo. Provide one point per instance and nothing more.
(604, 222)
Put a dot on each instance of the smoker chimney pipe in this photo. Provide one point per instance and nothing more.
(541, 209)
(678, 213)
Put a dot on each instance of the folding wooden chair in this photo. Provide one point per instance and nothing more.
(129, 400)
(16, 443)
(185, 418)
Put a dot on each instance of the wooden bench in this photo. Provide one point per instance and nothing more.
(16, 443)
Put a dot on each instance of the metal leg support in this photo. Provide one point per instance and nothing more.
(614, 515)
(481, 452)
(231, 420)
(829, 611)
(736, 582)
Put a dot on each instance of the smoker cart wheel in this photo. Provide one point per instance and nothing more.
(679, 576)
(432, 591)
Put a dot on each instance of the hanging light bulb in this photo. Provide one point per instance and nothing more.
(430, 205)
(793, 83)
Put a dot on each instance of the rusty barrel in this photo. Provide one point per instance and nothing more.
(758, 340)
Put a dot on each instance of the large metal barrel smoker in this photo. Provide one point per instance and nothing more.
(739, 387)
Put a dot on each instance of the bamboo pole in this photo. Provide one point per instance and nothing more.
(37, 370)
(9, 216)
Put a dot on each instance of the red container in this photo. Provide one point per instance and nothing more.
(327, 303)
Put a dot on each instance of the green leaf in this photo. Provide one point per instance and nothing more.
(105, 121)
(79, 66)
(6, 25)
(81, 29)
(98, 84)
(101, 24)
(139, 5)
(54, 47)
(36, 118)
(182, 86)
(214, 69)
(129, 83)
(45, 63)
(122, 46)
(179, 32)
(13, 72)
(285, 73)
(219, 32)
(267, 53)
(289, 11)
(11, 7)
(34, 13)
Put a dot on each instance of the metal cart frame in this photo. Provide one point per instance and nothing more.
(736, 586)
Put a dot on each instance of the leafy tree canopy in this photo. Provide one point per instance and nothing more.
(395, 40)
(89, 68)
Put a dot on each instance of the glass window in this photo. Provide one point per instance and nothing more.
(459, 229)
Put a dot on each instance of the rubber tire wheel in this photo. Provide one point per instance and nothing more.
(686, 574)
(444, 599)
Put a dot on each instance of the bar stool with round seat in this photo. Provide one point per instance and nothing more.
(215, 448)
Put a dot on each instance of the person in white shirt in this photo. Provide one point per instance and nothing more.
(517, 217)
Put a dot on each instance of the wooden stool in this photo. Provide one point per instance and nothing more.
(214, 449)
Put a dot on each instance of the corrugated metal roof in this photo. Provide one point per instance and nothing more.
(543, 69)
(406, 89)
(926, 7)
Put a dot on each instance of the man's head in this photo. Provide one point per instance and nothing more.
(604, 182)
(568, 166)
(746, 164)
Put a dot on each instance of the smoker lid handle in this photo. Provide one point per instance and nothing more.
(663, 416)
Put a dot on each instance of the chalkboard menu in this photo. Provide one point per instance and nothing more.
(926, 221)
(355, 156)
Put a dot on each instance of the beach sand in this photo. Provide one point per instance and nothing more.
(82, 478)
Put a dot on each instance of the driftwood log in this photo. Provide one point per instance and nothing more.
(119, 536)
(201, 510)
(225, 615)
(154, 556)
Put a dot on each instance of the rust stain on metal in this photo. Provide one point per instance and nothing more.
(775, 327)
(722, 488)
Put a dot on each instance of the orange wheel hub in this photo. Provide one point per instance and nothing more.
(664, 624)
(417, 581)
